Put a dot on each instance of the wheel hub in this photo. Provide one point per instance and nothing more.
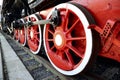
(59, 38)
(21, 32)
(31, 34)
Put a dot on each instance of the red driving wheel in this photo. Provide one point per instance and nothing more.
(22, 34)
(69, 46)
(34, 35)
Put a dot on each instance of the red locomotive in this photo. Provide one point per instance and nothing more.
(75, 32)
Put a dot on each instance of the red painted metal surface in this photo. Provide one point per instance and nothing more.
(107, 15)
(102, 10)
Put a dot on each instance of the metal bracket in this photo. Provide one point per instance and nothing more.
(104, 33)
(107, 28)
(55, 19)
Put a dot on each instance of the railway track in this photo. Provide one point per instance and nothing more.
(40, 68)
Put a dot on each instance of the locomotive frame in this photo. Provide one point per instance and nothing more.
(74, 33)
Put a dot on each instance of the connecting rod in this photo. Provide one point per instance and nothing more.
(54, 20)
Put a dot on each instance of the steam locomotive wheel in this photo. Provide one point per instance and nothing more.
(69, 46)
(16, 34)
(34, 36)
(22, 33)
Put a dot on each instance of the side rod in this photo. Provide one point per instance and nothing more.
(49, 21)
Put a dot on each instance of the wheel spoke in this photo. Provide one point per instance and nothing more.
(50, 32)
(36, 32)
(60, 53)
(52, 47)
(49, 39)
(72, 27)
(66, 21)
(76, 38)
(69, 56)
(67, 12)
(75, 51)
(37, 39)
